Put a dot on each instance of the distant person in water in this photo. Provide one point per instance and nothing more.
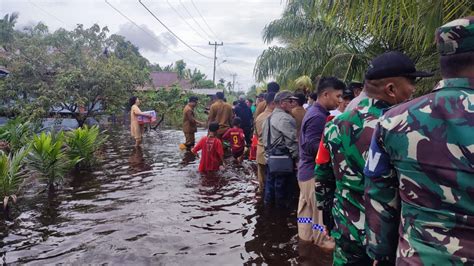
(212, 150)
(221, 112)
(136, 129)
(189, 122)
(236, 137)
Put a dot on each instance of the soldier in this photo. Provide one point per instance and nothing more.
(389, 81)
(419, 173)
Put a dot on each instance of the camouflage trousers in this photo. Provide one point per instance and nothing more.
(349, 252)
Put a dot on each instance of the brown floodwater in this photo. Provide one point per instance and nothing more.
(151, 206)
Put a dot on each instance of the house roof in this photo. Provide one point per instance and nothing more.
(164, 79)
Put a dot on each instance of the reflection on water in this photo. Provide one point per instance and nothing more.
(151, 206)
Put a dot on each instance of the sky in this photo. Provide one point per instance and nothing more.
(236, 23)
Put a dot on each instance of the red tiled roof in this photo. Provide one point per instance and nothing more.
(164, 79)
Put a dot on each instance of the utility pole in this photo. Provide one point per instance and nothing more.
(233, 81)
(215, 59)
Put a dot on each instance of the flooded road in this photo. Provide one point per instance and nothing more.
(149, 206)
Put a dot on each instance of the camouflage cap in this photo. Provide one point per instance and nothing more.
(456, 37)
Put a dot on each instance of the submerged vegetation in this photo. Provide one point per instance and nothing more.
(49, 156)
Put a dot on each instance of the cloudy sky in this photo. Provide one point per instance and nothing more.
(237, 23)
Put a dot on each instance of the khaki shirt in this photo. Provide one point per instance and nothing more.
(260, 108)
(221, 113)
(189, 121)
(298, 113)
(258, 131)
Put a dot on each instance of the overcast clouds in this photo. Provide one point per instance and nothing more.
(237, 23)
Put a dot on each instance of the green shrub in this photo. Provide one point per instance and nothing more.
(17, 133)
(84, 143)
(48, 158)
(12, 174)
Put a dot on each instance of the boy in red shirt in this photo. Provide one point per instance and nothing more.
(212, 151)
(236, 137)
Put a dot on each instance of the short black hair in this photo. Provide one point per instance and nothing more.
(330, 83)
(355, 85)
(269, 97)
(213, 127)
(237, 121)
(250, 100)
(235, 102)
(132, 100)
(273, 87)
(193, 99)
(313, 96)
(301, 98)
(220, 95)
(453, 65)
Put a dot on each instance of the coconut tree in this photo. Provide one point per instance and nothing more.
(7, 25)
(313, 45)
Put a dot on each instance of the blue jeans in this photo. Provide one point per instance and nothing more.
(278, 189)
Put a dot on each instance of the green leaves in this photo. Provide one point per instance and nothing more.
(11, 174)
(48, 158)
(83, 144)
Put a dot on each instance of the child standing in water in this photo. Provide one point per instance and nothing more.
(212, 151)
(236, 137)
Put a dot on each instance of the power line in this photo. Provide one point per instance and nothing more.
(168, 29)
(183, 19)
(195, 21)
(205, 22)
(46, 12)
(150, 35)
(215, 35)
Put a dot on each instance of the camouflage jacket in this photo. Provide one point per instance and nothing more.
(347, 137)
(419, 179)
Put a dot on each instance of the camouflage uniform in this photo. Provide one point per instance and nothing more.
(420, 171)
(347, 138)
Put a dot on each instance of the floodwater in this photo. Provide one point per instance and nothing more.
(150, 206)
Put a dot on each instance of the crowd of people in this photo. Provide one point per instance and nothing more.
(383, 178)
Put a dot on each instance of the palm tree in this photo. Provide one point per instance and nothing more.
(314, 45)
(338, 37)
(7, 25)
(12, 175)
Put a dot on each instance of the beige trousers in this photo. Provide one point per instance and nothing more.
(261, 171)
(310, 219)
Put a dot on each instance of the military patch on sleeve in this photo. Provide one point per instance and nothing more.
(378, 161)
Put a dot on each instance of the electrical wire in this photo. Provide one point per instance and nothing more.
(210, 29)
(195, 21)
(150, 35)
(187, 23)
(170, 31)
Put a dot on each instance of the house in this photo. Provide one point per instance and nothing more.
(166, 80)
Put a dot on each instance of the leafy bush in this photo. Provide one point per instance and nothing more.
(48, 158)
(11, 174)
(84, 143)
(171, 102)
(17, 133)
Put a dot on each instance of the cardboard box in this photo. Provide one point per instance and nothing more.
(145, 120)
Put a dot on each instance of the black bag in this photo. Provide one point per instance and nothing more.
(279, 159)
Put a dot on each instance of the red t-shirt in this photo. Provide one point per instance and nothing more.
(236, 137)
(212, 153)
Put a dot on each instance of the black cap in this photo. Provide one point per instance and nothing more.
(348, 93)
(193, 99)
(393, 64)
